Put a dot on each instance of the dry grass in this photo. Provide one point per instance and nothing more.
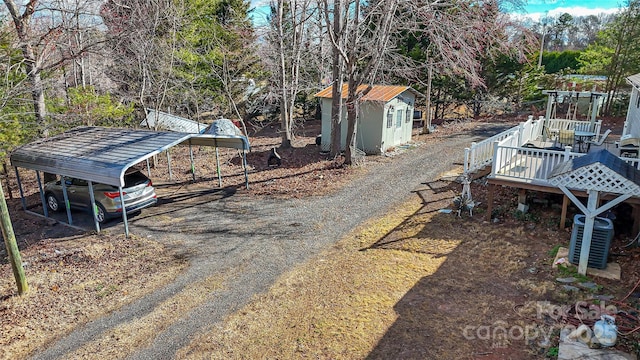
(121, 341)
(74, 280)
(341, 302)
(395, 280)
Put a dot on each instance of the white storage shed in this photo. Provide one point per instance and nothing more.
(385, 119)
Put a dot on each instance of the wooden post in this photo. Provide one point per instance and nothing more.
(563, 214)
(12, 246)
(522, 196)
(635, 213)
(492, 188)
(6, 174)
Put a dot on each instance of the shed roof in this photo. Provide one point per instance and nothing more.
(103, 155)
(171, 122)
(382, 93)
(601, 171)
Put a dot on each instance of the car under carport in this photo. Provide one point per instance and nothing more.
(103, 155)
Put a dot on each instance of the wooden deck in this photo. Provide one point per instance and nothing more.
(527, 168)
(519, 158)
(533, 165)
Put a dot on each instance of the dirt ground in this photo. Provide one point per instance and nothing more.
(418, 283)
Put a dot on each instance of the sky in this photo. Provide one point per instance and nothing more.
(538, 8)
(535, 9)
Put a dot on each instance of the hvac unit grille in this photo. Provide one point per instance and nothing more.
(600, 241)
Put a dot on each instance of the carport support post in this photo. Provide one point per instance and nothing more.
(124, 212)
(193, 166)
(244, 164)
(22, 199)
(44, 205)
(148, 168)
(94, 210)
(218, 168)
(67, 205)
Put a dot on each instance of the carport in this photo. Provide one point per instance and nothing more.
(103, 155)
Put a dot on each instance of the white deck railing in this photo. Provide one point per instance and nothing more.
(529, 164)
(481, 154)
(533, 165)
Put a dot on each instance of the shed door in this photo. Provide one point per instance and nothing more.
(397, 131)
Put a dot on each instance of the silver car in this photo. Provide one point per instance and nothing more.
(138, 193)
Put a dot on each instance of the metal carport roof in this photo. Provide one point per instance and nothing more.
(102, 155)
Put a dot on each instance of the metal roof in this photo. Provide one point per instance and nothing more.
(382, 93)
(172, 122)
(103, 155)
(634, 80)
(227, 141)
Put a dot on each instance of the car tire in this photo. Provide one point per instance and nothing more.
(101, 213)
(52, 202)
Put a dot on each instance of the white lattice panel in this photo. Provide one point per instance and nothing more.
(596, 177)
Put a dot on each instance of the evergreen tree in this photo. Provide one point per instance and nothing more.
(616, 52)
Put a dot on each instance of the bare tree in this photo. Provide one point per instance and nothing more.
(143, 42)
(45, 31)
(456, 33)
(230, 71)
(290, 38)
(361, 42)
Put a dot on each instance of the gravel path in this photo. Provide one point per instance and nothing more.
(254, 241)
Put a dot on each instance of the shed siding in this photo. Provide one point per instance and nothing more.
(373, 136)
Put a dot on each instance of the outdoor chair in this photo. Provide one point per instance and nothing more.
(602, 140)
(567, 137)
(550, 135)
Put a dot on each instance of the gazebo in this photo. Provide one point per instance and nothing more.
(595, 173)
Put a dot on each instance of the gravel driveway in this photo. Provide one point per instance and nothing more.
(256, 240)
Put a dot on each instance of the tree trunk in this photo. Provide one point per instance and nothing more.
(336, 118)
(285, 126)
(427, 123)
(21, 23)
(336, 91)
(38, 101)
(352, 115)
